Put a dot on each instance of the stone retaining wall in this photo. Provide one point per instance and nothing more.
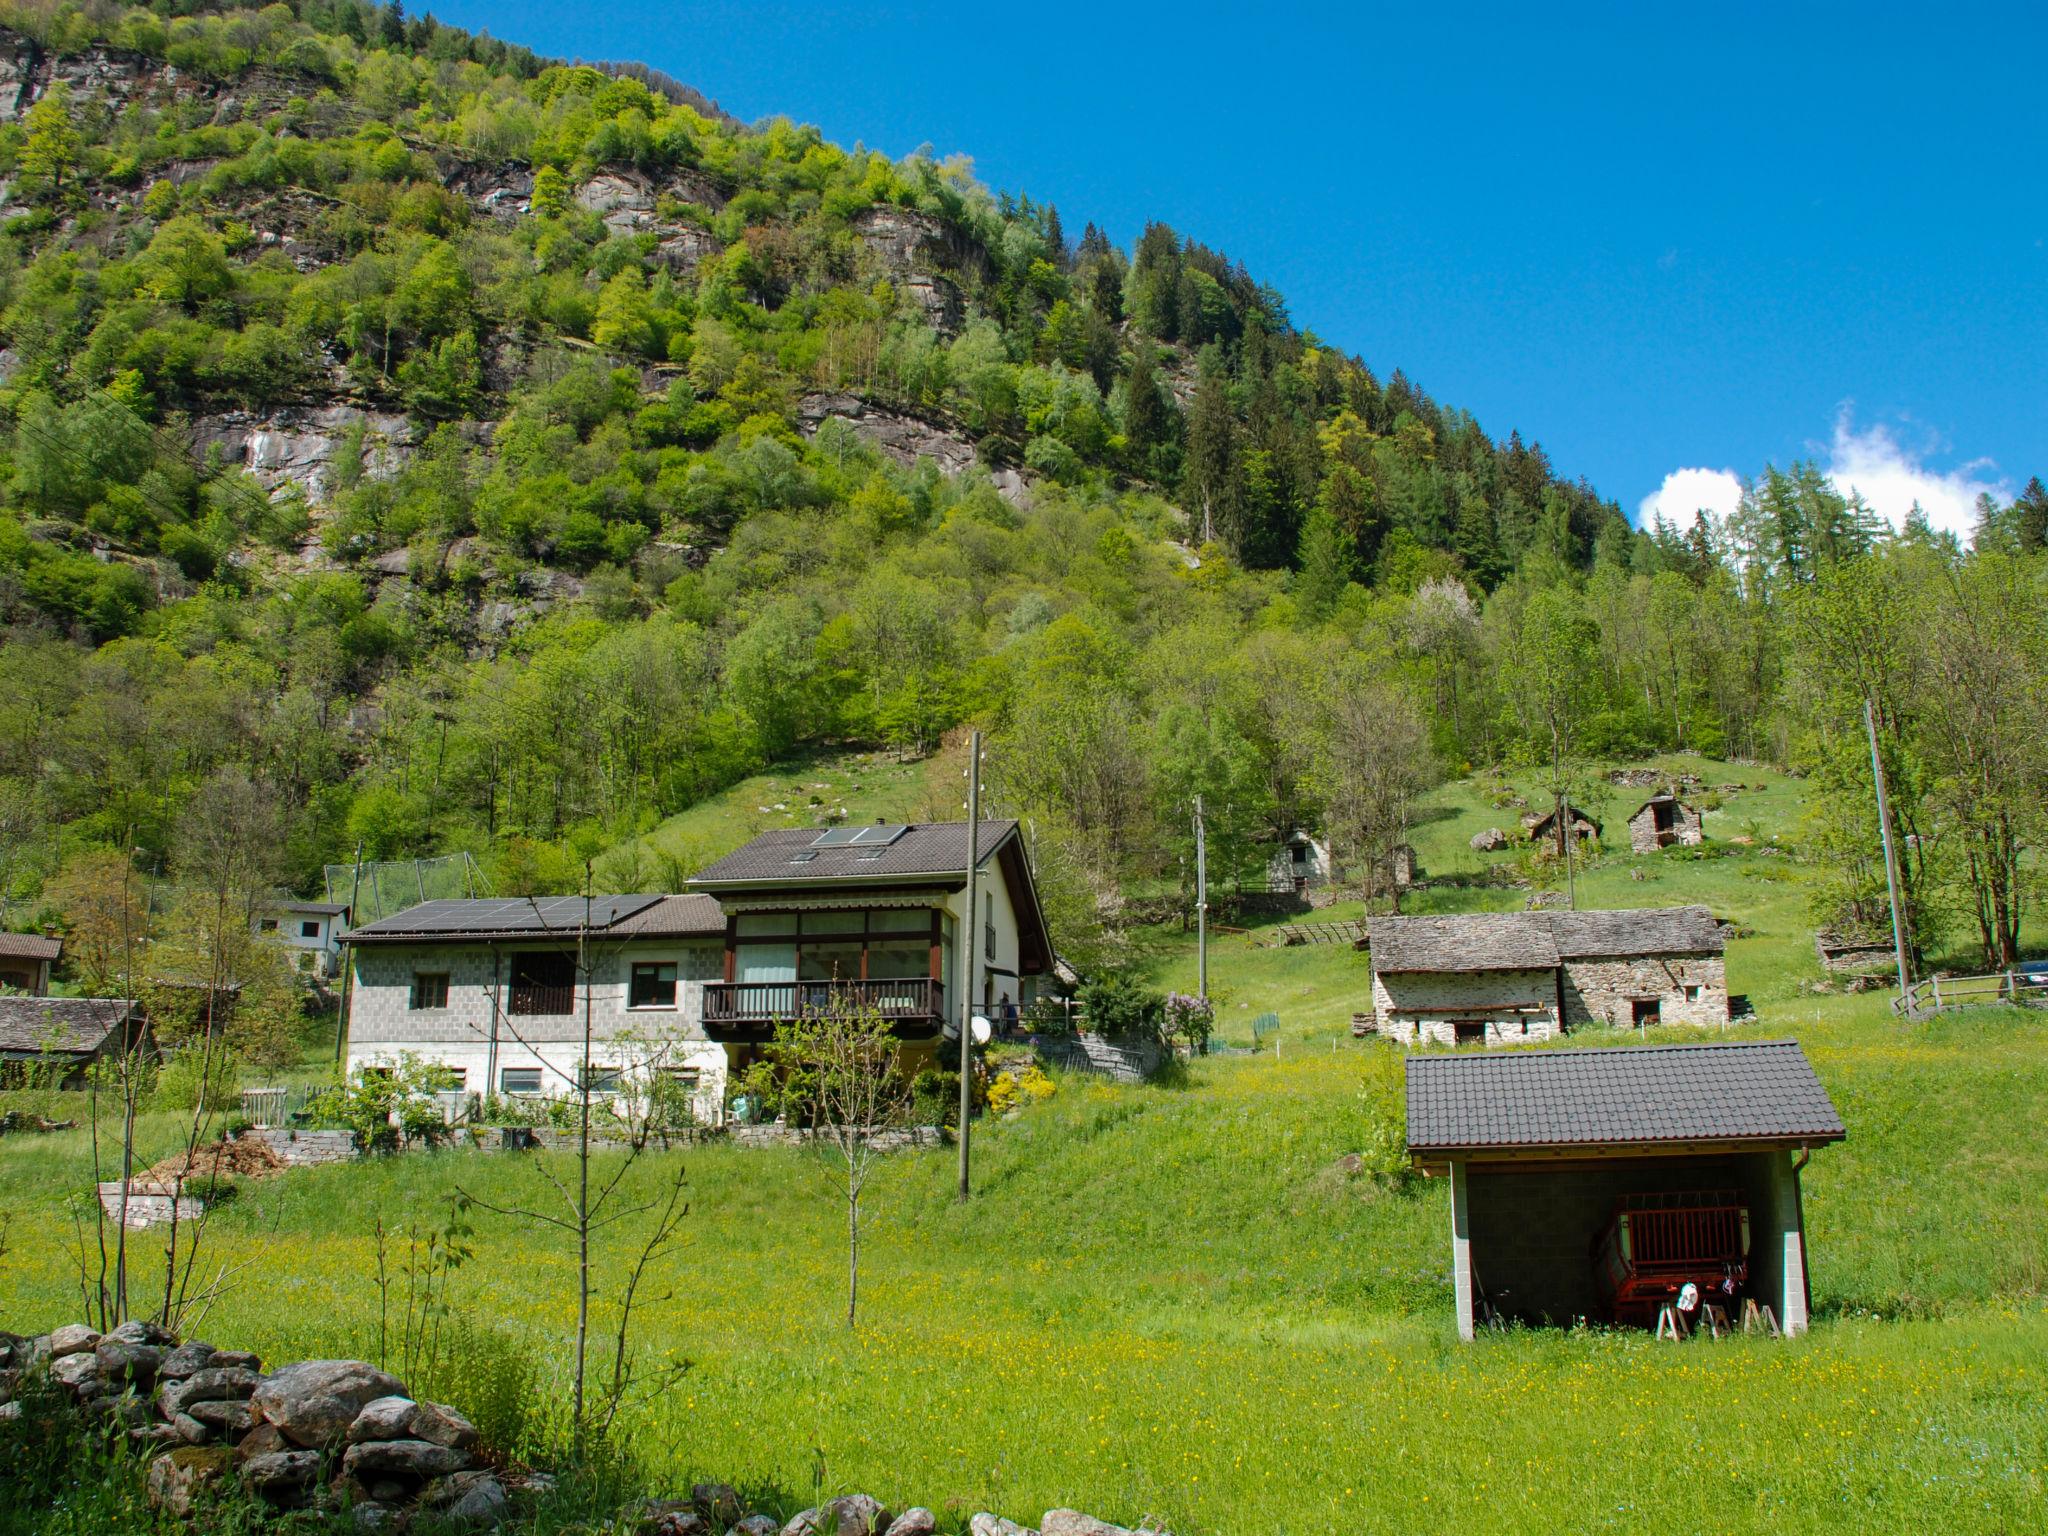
(1132, 1062)
(148, 1205)
(306, 1149)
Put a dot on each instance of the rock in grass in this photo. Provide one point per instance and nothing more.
(231, 1359)
(315, 1401)
(679, 1522)
(403, 1458)
(985, 1524)
(71, 1339)
(756, 1525)
(383, 1418)
(372, 1516)
(188, 1359)
(178, 1480)
(76, 1369)
(1071, 1522)
(918, 1521)
(233, 1417)
(281, 1475)
(469, 1500)
(138, 1331)
(212, 1385)
(443, 1426)
(855, 1514)
(718, 1502)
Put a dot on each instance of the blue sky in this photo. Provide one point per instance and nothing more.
(1670, 243)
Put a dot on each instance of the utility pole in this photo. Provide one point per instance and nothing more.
(1201, 904)
(970, 942)
(348, 964)
(1891, 860)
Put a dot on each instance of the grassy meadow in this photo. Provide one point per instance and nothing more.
(1172, 1301)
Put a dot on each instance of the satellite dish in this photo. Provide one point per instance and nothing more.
(983, 1030)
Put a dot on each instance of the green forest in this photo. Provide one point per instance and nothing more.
(602, 521)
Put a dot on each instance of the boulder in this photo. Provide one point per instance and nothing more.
(383, 1418)
(236, 1359)
(154, 1437)
(190, 1430)
(315, 1401)
(1492, 840)
(262, 1440)
(75, 1370)
(915, 1522)
(232, 1417)
(188, 1359)
(178, 1480)
(281, 1475)
(718, 1502)
(369, 1515)
(442, 1425)
(124, 1360)
(985, 1524)
(403, 1458)
(139, 1331)
(756, 1525)
(233, 1384)
(1071, 1522)
(71, 1339)
(468, 1499)
(679, 1522)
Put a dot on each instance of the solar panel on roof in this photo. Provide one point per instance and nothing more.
(868, 836)
(837, 837)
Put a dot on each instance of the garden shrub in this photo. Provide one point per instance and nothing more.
(1120, 1007)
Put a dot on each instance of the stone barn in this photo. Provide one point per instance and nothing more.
(52, 1041)
(1595, 1184)
(1505, 978)
(1542, 826)
(1662, 820)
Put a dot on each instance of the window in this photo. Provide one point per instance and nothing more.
(429, 989)
(455, 1079)
(752, 925)
(900, 920)
(653, 985)
(519, 1080)
(683, 1079)
(309, 928)
(543, 983)
(1468, 1032)
(988, 940)
(267, 925)
(602, 1079)
(1644, 1011)
(1692, 992)
(834, 922)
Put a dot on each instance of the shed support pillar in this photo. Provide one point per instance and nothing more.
(1461, 1253)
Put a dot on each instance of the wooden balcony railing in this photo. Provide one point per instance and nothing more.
(917, 999)
(527, 998)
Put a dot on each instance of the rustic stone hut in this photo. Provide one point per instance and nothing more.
(1542, 826)
(1503, 978)
(62, 1036)
(1662, 820)
(1597, 1183)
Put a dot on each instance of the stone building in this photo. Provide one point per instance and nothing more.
(1597, 1184)
(1662, 820)
(1502, 978)
(51, 1041)
(1543, 826)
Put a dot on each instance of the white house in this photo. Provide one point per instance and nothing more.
(695, 984)
(310, 929)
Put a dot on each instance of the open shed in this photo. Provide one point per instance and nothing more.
(1593, 1184)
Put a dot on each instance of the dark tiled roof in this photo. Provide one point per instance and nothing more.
(512, 918)
(1534, 941)
(925, 848)
(1646, 931)
(1471, 941)
(68, 1026)
(1617, 1096)
(293, 904)
(30, 946)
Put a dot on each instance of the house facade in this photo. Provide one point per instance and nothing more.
(1503, 978)
(25, 961)
(1661, 821)
(311, 930)
(694, 985)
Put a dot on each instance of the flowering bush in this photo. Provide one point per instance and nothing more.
(1190, 1019)
(1015, 1087)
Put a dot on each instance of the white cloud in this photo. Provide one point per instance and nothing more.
(1686, 492)
(1891, 476)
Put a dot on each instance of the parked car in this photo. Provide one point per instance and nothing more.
(2032, 974)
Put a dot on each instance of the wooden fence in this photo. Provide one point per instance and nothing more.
(1939, 994)
(1342, 931)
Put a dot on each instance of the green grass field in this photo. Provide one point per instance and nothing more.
(1172, 1301)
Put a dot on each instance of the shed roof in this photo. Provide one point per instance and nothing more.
(515, 918)
(1617, 1096)
(797, 854)
(1637, 931)
(1662, 797)
(293, 904)
(30, 946)
(60, 1026)
(1469, 941)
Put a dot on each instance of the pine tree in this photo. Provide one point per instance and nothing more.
(1209, 469)
(1328, 563)
(2030, 518)
(1148, 422)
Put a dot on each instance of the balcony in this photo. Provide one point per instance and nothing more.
(531, 999)
(750, 1010)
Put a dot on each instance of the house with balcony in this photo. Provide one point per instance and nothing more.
(693, 985)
